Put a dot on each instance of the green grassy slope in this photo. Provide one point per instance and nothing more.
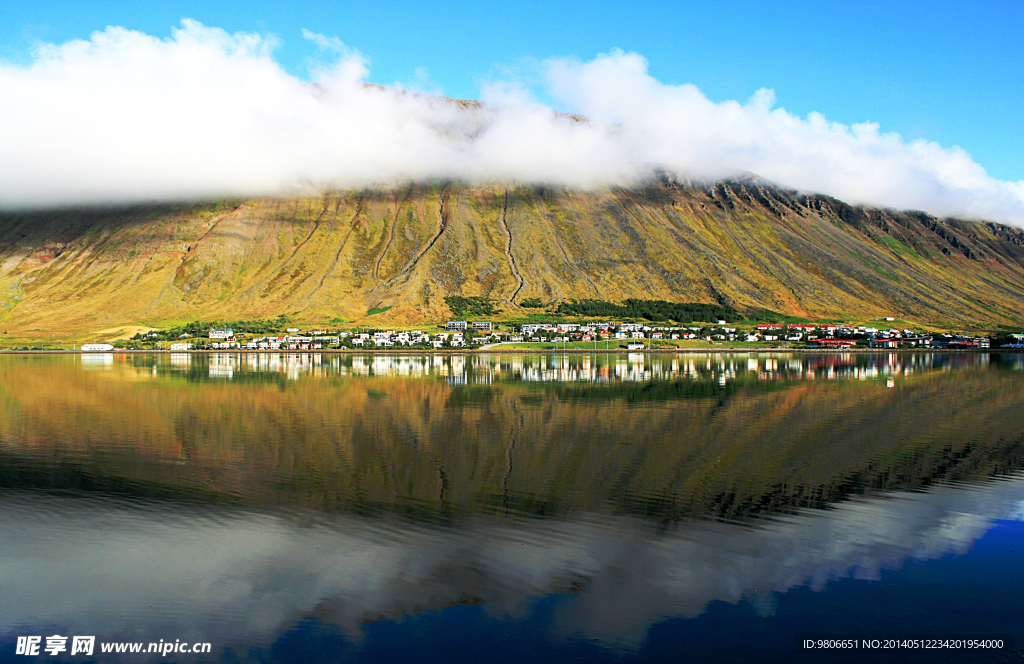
(342, 254)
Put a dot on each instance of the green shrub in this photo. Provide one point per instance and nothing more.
(652, 310)
(470, 306)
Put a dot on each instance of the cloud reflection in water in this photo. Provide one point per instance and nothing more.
(133, 570)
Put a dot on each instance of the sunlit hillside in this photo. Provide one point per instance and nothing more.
(340, 255)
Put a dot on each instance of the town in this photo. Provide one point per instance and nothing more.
(581, 335)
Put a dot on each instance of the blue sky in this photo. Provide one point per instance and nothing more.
(911, 106)
(950, 72)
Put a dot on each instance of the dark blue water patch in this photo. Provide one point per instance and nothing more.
(977, 593)
(312, 641)
(460, 633)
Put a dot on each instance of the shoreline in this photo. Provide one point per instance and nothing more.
(498, 351)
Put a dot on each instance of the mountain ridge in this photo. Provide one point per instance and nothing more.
(341, 254)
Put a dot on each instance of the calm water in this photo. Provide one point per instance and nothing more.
(605, 508)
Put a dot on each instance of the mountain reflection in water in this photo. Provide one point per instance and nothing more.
(229, 497)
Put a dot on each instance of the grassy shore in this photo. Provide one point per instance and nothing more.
(620, 345)
(517, 349)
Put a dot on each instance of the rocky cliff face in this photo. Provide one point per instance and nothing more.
(340, 254)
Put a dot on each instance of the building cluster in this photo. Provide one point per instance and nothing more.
(294, 340)
(821, 335)
(846, 336)
(633, 336)
(321, 339)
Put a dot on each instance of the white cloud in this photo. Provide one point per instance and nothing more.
(323, 42)
(126, 116)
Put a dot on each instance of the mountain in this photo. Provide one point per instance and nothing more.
(341, 254)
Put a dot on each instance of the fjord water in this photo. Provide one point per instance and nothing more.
(564, 507)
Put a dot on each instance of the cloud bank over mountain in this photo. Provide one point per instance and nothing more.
(126, 116)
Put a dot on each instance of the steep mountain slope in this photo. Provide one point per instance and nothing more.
(340, 254)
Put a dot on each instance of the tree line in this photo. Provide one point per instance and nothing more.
(652, 310)
(201, 329)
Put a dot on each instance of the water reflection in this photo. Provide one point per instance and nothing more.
(484, 369)
(668, 437)
(229, 497)
(230, 576)
(97, 360)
